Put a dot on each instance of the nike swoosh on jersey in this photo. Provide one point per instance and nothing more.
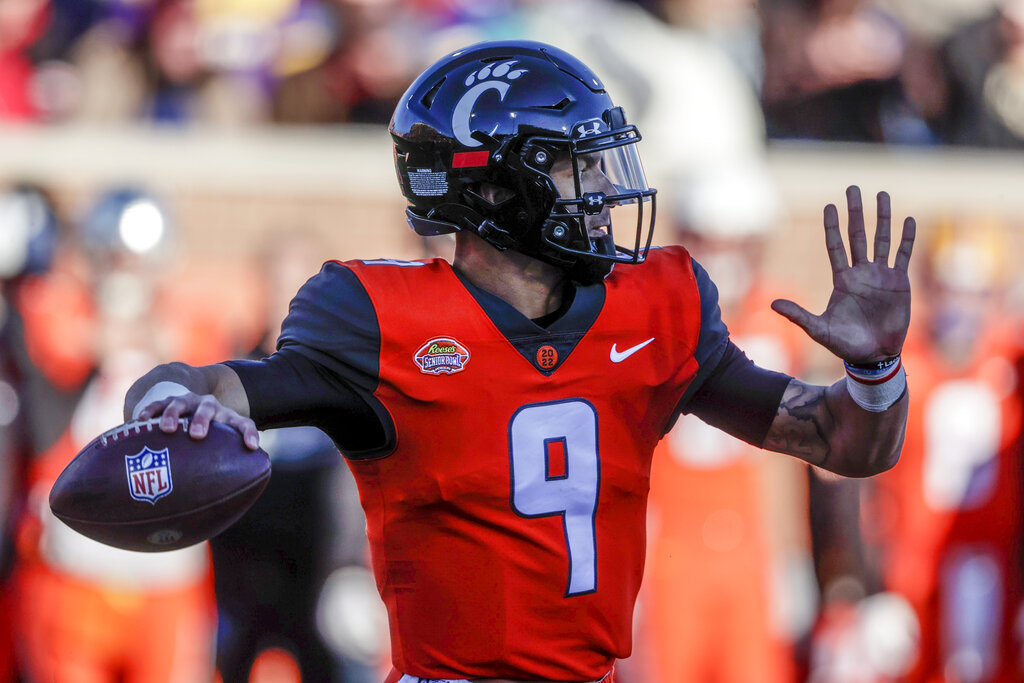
(619, 356)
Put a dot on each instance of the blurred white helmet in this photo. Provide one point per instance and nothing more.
(736, 199)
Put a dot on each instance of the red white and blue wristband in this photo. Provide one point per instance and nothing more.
(876, 386)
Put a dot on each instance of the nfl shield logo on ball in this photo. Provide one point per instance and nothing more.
(149, 474)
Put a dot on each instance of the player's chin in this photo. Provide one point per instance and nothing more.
(599, 227)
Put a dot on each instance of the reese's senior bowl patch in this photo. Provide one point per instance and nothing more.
(442, 355)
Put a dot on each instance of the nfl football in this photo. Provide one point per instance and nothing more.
(138, 488)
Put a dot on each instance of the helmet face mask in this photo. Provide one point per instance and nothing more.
(519, 143)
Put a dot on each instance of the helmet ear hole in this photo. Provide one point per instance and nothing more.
(495, 195)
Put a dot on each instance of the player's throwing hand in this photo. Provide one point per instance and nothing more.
(869, 311)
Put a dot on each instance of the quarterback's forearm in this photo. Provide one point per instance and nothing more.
(217, 380)
(825, 427)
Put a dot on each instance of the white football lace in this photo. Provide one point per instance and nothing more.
(137, 426)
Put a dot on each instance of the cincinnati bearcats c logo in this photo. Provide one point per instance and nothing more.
(463, 113)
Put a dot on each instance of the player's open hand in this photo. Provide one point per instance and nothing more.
(203, 410)
(869, 311)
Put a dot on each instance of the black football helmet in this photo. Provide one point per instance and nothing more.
(476, 137)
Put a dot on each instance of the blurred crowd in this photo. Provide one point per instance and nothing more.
(759, 570)
(898, 71)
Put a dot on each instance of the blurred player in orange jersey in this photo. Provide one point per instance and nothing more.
(945, 527)
(725, 519)
(85, 612)
(288, 565)
(28, 237)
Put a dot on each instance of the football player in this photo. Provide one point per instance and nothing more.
(944, 531)
(725, 530)
(29, 226)
(500, 413)
(84, 611)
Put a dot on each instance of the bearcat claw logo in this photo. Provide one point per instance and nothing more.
(491, 77)
(149, 474)
(442, 355)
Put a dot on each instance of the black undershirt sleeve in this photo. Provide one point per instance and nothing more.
(288, 389)
(729, 391)
(739, 397)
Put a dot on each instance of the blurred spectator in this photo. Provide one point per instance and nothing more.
(935, 19)
(305, 92)
(272, 565)
(855, 70)
(21, 24)
(177, 61)
(943, 529)
(105, 78)
(86, 64)
(378, 56)
(985, 65)
(85, 611)
(221, 62)
(732, 25)
(834, 71)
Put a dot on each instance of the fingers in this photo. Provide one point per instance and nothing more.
(203, 416)
(250, 435)
(902, 261)
(834, 240)
(799, 315)
(858, 237)
(174, 409)
(153, 409)
(210, 410)
(855, 228)
(203, 410)
(882, 229)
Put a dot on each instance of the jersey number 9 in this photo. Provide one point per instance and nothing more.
(556, 471)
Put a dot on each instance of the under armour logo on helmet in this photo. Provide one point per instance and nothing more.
(591, 127)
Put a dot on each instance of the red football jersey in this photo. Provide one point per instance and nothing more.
(507, 526)
(506, 501)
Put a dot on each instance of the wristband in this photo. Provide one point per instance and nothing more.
(874, 369)
(876, 386)
(158, 392)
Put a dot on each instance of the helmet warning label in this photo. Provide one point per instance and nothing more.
(427, 183)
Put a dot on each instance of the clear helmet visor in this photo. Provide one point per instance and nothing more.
(609, 202)
(622, 167)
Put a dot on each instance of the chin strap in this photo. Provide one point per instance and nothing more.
(498, 238)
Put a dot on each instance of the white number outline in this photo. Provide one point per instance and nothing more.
(392, 262)
(577, 433)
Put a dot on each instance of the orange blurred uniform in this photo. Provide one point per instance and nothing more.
(946, 522)
(84, 612)
(707, 613)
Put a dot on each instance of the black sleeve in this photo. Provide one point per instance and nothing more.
(729, 391)
(714, 335)
(325, 371)
(288, 388)
(739, 397)
(332, 321)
